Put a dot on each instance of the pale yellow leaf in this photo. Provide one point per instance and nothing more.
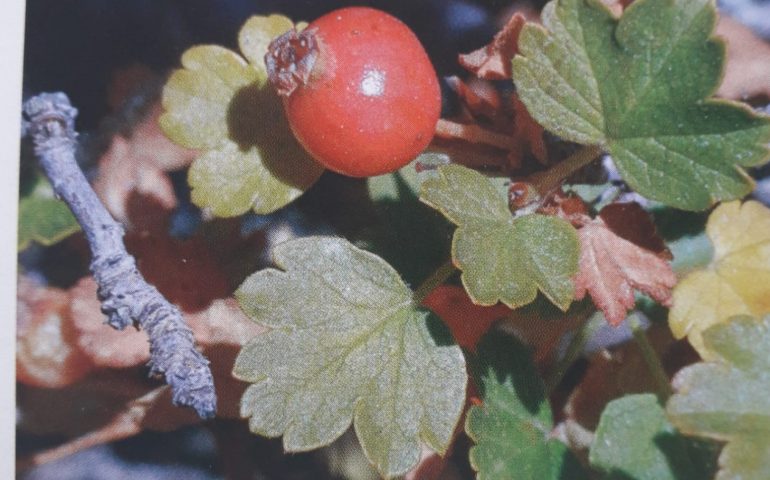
(220, 103)
(736, 282)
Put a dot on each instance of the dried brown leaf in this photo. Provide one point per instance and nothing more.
(473, 133)
(125, 417)
(631, 222)
(622, 371)
(611, 268)
(542, 328)
(527, 133)
(110, 405)
(46, 352)
(511, 126)
(489, 119)
(493, 62)
(102, 344)
(480, 98)
(126, 81)
(137, 165)
(567, 206)
(223, 323)
(467, 321)
(184, 271)
(429, 467)
(82, 406)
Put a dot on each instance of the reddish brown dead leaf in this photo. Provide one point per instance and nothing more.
(527, 133)
(566, 206)
(46, 351)
(110, 404)
(82, 406)
(433, 466)
(184, 271)
(116, 399)
(479, 97)
(467, 322)
(429, 467)
(137, 165)
(488, 119)
(633, 223)
(542, 327)
(747, 73)
(493, 62)
(105, 346)
(622, 371)
(221, 330)
(126, 81)
(510, 118)
(223, 323)
(611, 267)
(152, 410)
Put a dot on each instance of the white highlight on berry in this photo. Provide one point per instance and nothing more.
(373, 83)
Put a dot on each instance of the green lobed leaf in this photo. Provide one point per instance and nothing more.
(728, 399)
(347, 343)
(503, 258)
(635, 440)
(222, 105)
(511, 428)
(637, 86)
(43, 218)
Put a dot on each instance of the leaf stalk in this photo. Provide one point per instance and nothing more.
(435, 279)
(574, 349)
(651, 359)
(547, 180)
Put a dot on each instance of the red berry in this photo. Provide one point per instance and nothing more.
(360, 92)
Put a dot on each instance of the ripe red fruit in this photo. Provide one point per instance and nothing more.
(359, 90)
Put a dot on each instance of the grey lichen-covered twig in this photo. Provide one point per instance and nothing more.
(125, 296)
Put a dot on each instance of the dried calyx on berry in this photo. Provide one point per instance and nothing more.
(290, 59)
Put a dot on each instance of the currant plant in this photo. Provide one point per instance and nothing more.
(350, 343)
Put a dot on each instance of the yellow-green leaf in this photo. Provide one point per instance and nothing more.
(503, 258)
(727, 398)
(221, 104)
(347, 345)
(736, 282)
(197, 97)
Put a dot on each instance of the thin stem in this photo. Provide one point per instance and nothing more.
(474, 134)
(651, 359)
(574, 349)
(125, 424)
(126, 298)
(438, 277)
(549, 179)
